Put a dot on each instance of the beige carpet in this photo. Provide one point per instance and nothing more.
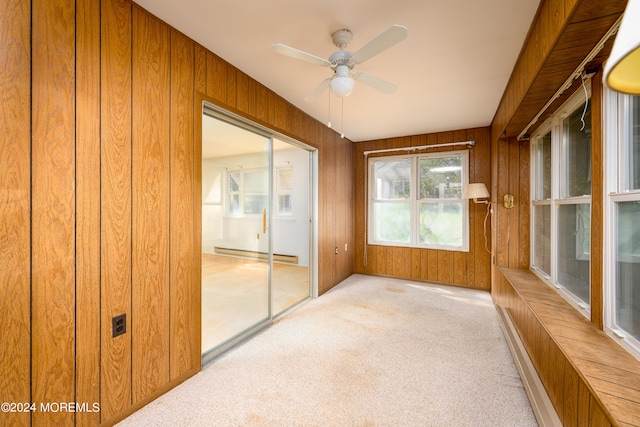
(371, 352)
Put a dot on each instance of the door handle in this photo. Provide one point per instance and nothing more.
(264, 220)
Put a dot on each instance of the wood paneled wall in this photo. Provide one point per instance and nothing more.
(99, 193)
(562, 35)
(470, 269)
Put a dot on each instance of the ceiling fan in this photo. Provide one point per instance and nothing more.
(343, 62)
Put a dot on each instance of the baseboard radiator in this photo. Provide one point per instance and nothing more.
(290, 259)
(540, 403)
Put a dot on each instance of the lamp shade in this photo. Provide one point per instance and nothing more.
(342, 84)
(475, 191)
(622, 70)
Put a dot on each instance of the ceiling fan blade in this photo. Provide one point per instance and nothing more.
(393, 35)
(283, 49)
(318, 90)
(375, 82)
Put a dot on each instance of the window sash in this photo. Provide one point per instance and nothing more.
(622, 202)
(561, 256)
(405, 213)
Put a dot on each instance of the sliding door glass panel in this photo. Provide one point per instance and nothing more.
(290, 225)
(235, 241)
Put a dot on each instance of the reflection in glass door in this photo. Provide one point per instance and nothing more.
(235, 242)
(256, 229)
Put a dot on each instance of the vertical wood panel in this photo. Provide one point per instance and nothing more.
(88, 208)
(150, 205)
(183, 252)
(53, 207)
(15, 195)
(201, 69)
(597, 209)
(570, 398)
(524, 206)
(115, 173)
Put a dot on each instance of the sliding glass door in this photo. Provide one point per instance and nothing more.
(256, 229)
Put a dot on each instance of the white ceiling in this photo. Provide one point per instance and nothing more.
(451, 70)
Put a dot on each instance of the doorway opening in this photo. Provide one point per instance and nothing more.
(258, 222)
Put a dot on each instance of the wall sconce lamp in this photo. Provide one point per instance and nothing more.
(476, 191)
(622, 70)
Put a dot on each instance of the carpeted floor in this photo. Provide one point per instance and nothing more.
(371, 352)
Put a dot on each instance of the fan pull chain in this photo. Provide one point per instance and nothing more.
(329, 122)
(342, 119)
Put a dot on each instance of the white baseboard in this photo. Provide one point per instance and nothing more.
(542, 407)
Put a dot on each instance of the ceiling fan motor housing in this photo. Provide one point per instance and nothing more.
(342, 38)
(341, 57)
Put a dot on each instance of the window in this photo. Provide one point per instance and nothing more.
(622, 250)
(416, 200)
(561, 201)
(284, 187)
(247, 192)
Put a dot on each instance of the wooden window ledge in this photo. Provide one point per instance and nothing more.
(570, 353)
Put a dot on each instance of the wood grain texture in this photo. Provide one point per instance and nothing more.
(590, 379)
(115, 231)
(150, 205)
(597, 197)
(15, 198)
(182, 252)
(470, 269)
(87, 208)
(53, 208)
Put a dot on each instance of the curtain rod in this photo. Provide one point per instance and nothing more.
(469, 144)
(578, 72)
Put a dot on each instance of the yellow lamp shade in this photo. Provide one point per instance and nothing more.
(622, 70)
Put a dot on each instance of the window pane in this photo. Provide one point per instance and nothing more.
(234, 203)
(391, 222)
(634, 142)
(542, 238)
(577, 133)
(627, 265)
(285, 179)
(441, 177)
(573, 237)
(441, 223)
(392, 180)
(284, 204)
(234, 182)
(256, 182)
(255, 203)
(545, 167)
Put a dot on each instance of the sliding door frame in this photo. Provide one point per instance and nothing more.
(212, 110)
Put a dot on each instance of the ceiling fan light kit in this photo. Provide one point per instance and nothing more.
(342, 62)
(342, 84)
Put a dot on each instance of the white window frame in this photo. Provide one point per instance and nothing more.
(554, 124)
(415, 201)
(281, 191)
(241, 193)
(617, 190)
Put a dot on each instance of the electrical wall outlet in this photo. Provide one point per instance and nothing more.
(119, 325)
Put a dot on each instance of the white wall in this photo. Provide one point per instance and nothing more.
(290, 234)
